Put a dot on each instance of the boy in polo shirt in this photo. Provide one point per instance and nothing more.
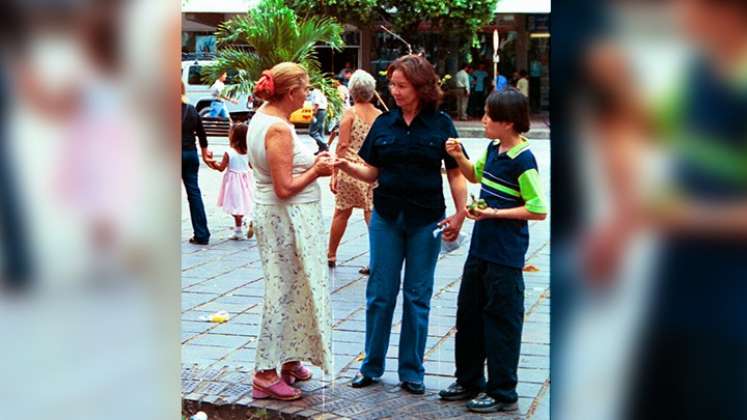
(490, 308)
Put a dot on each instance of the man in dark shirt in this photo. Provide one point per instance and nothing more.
(191, 128)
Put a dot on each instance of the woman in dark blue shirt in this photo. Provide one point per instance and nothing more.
(403, 152)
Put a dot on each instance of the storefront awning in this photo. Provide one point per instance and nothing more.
(218, 6)
(523, 6)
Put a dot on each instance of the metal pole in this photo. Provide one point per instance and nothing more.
(496, 57)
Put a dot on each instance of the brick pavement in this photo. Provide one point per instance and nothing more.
(217, 359)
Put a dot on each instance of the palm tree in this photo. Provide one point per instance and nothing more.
(270, 34)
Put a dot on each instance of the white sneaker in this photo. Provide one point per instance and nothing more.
(237, 236)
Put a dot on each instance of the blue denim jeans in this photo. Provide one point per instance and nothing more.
(391, 244)
(218, 110)
(190, 166)
(316, 130)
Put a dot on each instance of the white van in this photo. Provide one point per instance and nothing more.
(200, 96)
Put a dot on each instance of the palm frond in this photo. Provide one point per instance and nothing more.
(273, 33)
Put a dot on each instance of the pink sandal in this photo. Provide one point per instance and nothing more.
(297, 373)
(279, 391)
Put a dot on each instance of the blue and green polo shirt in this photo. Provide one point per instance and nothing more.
(507, 180)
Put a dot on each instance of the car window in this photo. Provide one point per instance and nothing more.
(194, 75)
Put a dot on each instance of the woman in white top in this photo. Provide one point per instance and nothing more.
(296, 320)
(217, 107)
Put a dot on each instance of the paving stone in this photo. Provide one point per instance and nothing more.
(310, 386)
(193, 353)
(378, 413)
(538, 376)
(219, 340)
(210, 388)
(189, 386)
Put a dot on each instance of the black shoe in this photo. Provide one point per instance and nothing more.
(456, 392)
(365, 270)
(361, 381)
(417, 388)
(487, 404)
(196, 241)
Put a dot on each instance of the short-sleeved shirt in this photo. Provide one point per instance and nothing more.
(523, 86)
(318, 98)
(703, 120)
(479, 76)
(507, 180)
(409, 162)
(501, 83)
(216, 89)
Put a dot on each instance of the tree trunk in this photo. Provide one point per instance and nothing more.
(365, 49)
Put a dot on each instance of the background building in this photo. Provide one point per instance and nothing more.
(523, 25)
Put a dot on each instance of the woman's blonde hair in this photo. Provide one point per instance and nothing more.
(275, 83)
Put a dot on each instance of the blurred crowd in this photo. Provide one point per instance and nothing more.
(650, 209)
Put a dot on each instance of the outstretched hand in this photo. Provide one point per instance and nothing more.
(342, 164)
(454, 148)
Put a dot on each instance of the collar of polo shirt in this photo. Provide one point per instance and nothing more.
(516, 150)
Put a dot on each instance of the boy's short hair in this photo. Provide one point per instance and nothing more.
(510, 106)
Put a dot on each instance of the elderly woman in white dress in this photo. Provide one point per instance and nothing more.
(296, 320)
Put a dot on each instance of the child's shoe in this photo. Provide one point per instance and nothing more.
(237, 234)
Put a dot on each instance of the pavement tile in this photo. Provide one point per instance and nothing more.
(219, 340)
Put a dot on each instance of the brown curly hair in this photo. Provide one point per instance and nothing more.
(420, 73)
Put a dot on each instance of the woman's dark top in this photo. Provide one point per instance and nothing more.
(409, 162)
(191, 127)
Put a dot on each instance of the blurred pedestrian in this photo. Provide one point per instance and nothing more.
(217, 106)
(535, 82)
(345, 72)
(479, 89)
(296, 318)
(350, 192)
(463, 84)
(522, 84)
(501, 83)
(319, 104)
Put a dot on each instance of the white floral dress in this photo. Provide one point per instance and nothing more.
(297, 318)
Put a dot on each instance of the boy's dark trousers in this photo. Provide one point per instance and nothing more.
(490, 316)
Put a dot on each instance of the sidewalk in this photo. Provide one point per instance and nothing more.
(218, 359)
(539, 129)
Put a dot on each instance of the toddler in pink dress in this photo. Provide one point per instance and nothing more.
(235, 196)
